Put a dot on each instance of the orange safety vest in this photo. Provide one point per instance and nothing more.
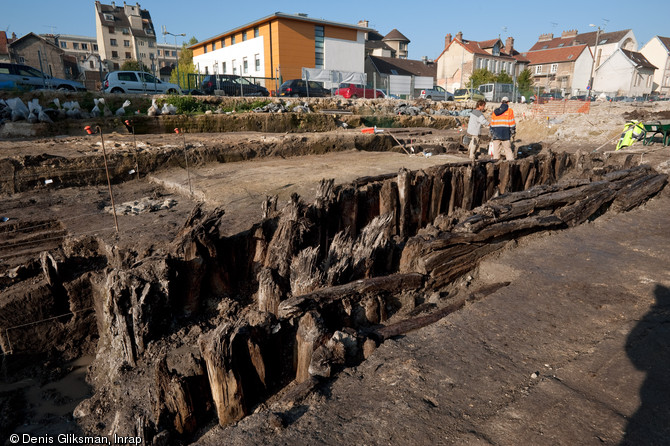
(502, 125)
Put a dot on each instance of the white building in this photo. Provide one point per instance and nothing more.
(657, 52)
(624, 73)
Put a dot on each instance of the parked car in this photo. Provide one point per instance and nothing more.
(231, 85)
(137, 82)
(353, 91)
(436, 93)
(299, 87)
(24, 77)
(468, 94)
(552, 96)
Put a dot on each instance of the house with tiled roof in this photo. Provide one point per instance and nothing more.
(37, 52)
(624, 73)
(566, 69)
(461, 57)
(608, 42)
(393, 44)
(657, 52)
(4, 46)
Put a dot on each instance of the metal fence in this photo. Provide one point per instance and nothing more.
(228, 84)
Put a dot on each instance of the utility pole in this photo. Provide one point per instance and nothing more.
(593, 67)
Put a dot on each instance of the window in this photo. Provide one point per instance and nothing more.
(257, 62)
(649, 78)
(223, 43)
(75, 45)
(22, 59)
(554, 67)
(159, 52)
(204, 49)
(95, 47)
(234, 67)
(256, 32)
(152, 44)
(115, 54)
(116, 66)
(112, 42)
(232, 40)
(213, 46)
(245, 66)
(126, 43)
(90, 64)
(206, 70)
(225, 68)
(174, 54)
(127, 77)
(318, 47)
(244, 36)
(141, 42)
(125, 31)
(149, 31)
(128, 56)
(109, 17)
(63, 44)
(84, 46)
(112, 30)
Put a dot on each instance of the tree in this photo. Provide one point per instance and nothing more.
(525, 82)
(481, 76)
(504, 78)
(185, 64)
(134, 65)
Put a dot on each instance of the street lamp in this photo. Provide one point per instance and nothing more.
(595, 52)
(165, 31)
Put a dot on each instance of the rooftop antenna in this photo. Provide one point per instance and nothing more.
(605, 21)
(53, 28)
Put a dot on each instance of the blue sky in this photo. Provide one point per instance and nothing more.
(425, 23)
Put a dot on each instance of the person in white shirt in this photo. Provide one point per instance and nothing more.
(477, 120)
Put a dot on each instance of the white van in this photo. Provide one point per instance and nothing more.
(495, 92)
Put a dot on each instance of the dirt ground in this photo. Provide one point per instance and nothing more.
(571, 352)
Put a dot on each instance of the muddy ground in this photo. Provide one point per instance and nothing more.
(559, 356)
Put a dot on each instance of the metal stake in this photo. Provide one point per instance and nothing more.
(109, 182)
(188, 173)
(131, 126)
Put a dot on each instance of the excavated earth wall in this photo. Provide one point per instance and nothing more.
(220, 326)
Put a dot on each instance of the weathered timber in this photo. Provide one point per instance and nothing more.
(395, 283)
(404, 201)
(305, 273)
(286, 239)
(347, 199)
(388, 204)
(637, 192)
(468, 188)
(180, 398)
(445, 274)
(311, 334)
(407, 325)
(269, 292)
(224, 379)
(580, 211)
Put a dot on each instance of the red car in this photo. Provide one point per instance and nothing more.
(353, 91)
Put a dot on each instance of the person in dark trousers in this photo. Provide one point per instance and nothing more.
(477, 120)
(503, 129)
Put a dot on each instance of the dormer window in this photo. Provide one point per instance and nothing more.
(109, 17)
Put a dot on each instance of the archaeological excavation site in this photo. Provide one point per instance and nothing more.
(331, 271)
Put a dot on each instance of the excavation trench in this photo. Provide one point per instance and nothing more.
(218, 326)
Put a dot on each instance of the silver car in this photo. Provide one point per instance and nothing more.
(137, 82)
(23, 77)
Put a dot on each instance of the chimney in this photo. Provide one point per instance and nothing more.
(569, 34)
(459, 36)
(509, 45)
(447, 40)
(424, 59)
(545, 37)
(363, 23)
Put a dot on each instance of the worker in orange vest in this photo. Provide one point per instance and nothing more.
(503, 129)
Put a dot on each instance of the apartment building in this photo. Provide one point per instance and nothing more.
(125, 33)
(461, 57)
(280, 46)
(563, 69)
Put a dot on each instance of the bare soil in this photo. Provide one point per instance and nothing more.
(572, 351)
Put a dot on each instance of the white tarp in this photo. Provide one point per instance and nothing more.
(400, 84)
(421, 82)
(333, 78)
